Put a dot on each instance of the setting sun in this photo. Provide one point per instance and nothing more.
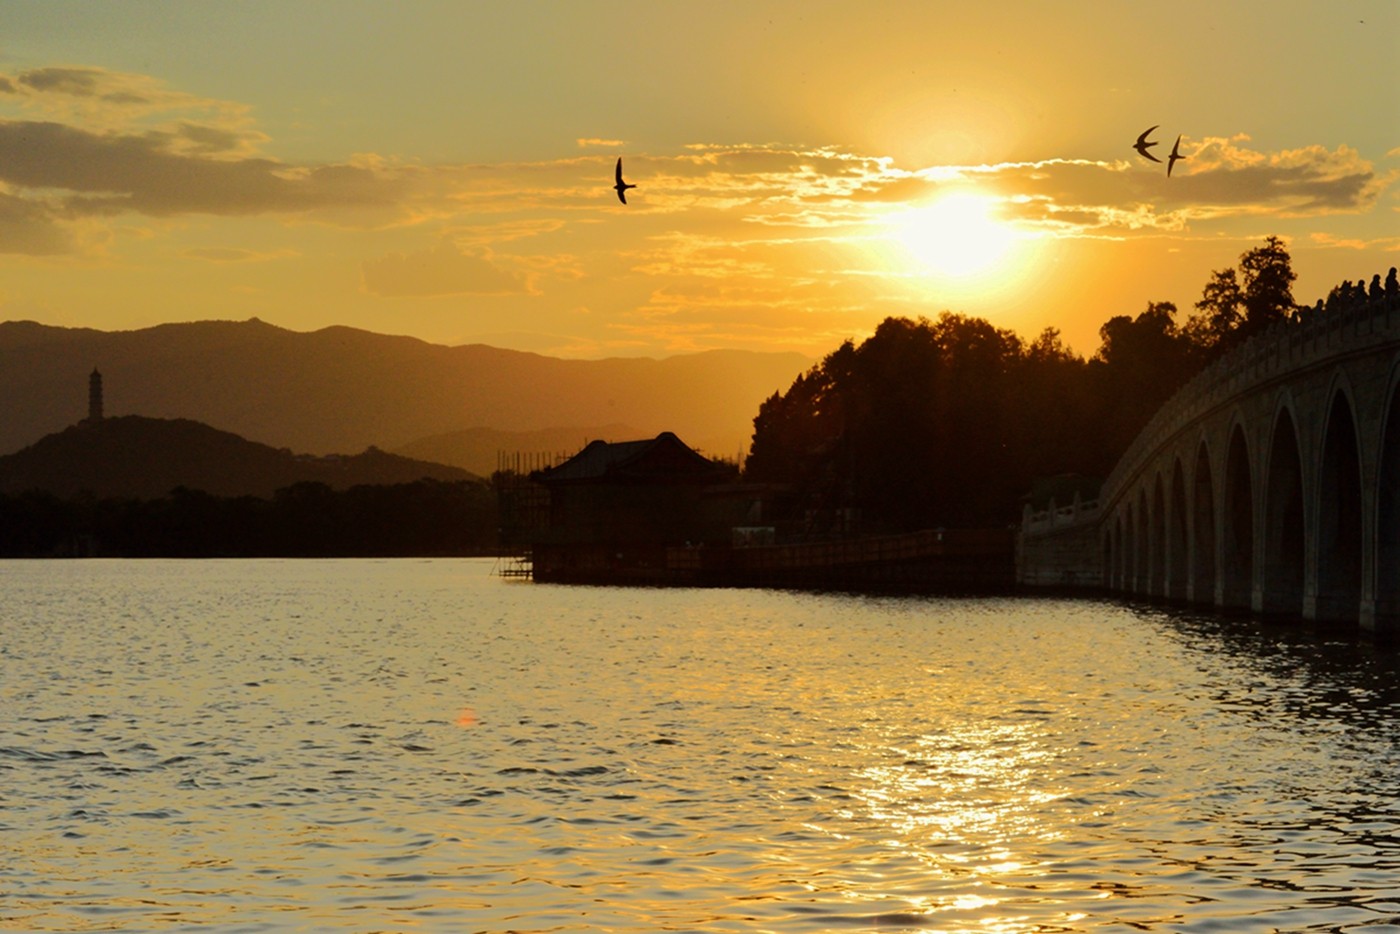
(957, 236)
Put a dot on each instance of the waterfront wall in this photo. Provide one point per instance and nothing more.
(1060, 547)
(961, 560)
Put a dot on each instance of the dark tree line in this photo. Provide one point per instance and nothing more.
(950, 422)
(428, 517)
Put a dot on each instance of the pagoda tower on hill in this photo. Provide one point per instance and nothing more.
(94, 397)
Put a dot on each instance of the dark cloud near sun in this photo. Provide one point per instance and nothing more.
(1312, 180)
(78, 82)
(225, 255)
(30, 229)
(202, 140)
(68, 173)
(1223, 178)
(84, 143)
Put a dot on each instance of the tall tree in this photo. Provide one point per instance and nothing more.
(1219, 312)
(1233, 308)
(1268, 277)
(1140, 363)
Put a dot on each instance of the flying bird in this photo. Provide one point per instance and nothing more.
(1142, 144)
(621, 186)
(1175, 155)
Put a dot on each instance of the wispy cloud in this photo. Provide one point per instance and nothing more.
(236, 255)
(1225, 175)
(55, 172)
(63, 172)
(110, 101)
(1221, 179)
(29, 228)
(443, 270)
(1331, 241)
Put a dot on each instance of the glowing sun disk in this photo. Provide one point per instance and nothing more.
(957, 235)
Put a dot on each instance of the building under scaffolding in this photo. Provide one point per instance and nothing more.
(658, 512)
(609, 512)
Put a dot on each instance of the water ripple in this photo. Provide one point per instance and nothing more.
(387, 745)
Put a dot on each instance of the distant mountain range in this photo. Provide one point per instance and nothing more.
(341, 389)
(145, 458)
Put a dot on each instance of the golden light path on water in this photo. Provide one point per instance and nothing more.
(980, 799)
(419, 745)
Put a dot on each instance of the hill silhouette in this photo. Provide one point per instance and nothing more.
(342, 389)
(145, 458)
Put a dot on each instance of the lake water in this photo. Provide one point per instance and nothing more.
(371, 746)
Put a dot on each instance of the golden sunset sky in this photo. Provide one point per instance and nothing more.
(803, 169)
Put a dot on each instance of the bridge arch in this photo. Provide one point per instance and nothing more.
(1120, 573)
(1237, 525)
(1178, 541)
(1387, 565)
(1143, 577)
(1283, 541)
(1203, 550)
(1110, 553)
(1339, 534)
(1106, 552)
(1125, 550)
(1157, 586)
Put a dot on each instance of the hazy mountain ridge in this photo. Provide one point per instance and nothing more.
(341, 388)
(145, 458)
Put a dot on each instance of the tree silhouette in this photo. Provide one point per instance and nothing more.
(1139, 364)
(427, 517)
(1234, 308)
(1268, 277)
(1219, 312)
(925, 423)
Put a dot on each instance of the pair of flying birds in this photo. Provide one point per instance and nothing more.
(1142, 145)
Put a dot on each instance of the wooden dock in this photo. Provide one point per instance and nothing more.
(515, 566)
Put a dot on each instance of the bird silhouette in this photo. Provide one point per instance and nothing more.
(1142, 144)
(1175, 155)
(621, 186)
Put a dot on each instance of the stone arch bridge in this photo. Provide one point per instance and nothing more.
(1270, 482)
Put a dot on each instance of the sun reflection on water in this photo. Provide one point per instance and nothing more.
(976, 785)
(968, 802)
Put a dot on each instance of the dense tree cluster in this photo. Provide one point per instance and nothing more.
(429, 517)
(928, 423)
(950, 422)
